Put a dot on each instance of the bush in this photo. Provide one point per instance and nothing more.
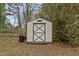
(65, 19)
(6, 30)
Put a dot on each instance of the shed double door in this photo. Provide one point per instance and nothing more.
(39, 32)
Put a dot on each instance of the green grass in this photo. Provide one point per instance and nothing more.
(6, 30)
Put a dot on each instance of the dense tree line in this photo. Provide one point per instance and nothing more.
(65, 19)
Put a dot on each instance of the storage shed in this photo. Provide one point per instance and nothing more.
(39, 31)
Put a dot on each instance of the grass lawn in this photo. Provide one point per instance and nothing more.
(6, 31)
(11, 46)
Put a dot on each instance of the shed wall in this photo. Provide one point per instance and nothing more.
(48, 32)
(29, 32)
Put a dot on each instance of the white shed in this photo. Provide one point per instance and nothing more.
(39, 31)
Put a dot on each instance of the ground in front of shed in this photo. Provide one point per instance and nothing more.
(11, 46)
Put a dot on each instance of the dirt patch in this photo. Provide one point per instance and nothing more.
(11, 46)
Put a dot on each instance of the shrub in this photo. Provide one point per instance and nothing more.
(6, 30)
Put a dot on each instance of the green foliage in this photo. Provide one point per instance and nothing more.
(1, 8)
(6, 30)
(65, 21)
(2, 17)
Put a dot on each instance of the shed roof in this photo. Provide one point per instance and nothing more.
(37, 19)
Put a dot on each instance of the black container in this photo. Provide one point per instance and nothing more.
(21, 39)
